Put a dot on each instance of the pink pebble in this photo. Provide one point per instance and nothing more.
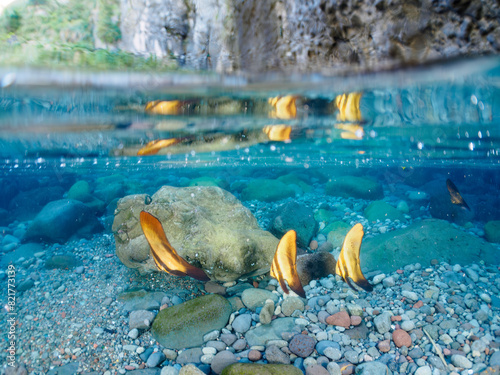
(355, 320)
(313, 245)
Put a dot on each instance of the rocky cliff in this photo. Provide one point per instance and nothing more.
(304, 35)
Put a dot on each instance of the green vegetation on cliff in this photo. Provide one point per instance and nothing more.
(64, 34)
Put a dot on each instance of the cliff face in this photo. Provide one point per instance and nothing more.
(305, 35)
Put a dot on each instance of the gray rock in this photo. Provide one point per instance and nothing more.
(239, 345)
(260, 335)
(60, 220)
(184, 325)
(495, 359)
(189, 356)
(290, 304)
(141, 299)
(275, 355)
(222, 360)
(383, 322)
(242, 323)
(372, 368)
(460, 361)
(25, 285)
(266, 314)
(240, 246)
(140, 319)
(155, 359)
(255, 297)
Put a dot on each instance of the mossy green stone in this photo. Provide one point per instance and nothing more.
(260, 369)
(337, 232)
(355, 187)
(291, 178)
(492, 231)
(380, 210)
(266, 190)
(184, 325)
(323, 215)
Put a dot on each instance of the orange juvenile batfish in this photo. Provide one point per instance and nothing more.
(164, 255)
(455, 196)
(284, 266)
(153, 147)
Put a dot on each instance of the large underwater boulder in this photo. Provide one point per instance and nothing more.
(355, 187)
(206, 225)
(184, 325)
(420, 243)
(298, 217)
(61, 220)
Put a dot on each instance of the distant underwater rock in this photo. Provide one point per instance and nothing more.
(62, 262)
(380, 210)
(267, 190)
(207, 226)
(80, 191)
(62, 219)
(336, 232)
(298, 217)
(27, 204)
(355, 187)
(184, 325)
(423, 241)
(492, 231)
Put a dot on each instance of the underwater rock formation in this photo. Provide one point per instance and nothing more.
(355, 187)
(61, 220)
(423, 241)
(206, 225)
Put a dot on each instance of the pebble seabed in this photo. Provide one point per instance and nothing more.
(437, 319)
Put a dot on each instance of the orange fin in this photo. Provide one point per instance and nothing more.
(164, 255)
(284, 266)
(164, 107)
(455, 196)
(278, 132)
(348, 264)
(153, 147)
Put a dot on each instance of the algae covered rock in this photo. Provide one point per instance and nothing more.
(267, 190)
(206, 225)
(184, 325)
(380, 210)
(492, 231)
(261, 369)
(337, 232)
(421, 242)
(355, 187)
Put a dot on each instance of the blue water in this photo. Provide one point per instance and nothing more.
(408, 130)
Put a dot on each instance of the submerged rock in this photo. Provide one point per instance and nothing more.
(184, 325)
(267, 190)
(261, 369)
(61, 220)
(355, 187)
(492, 231)
(206, 225)
(262, 334)
(297, 217)
(380, 210)
(421, 242)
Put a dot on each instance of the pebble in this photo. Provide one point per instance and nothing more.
(461, 361)
(254, 355)
(242, 323)
(302, 345)
(341, 319)
(222, 360)
(401, 338)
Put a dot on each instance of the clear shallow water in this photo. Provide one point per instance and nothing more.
(409, 131)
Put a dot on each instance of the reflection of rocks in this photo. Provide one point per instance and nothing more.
(206, 225)
(421, 242)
